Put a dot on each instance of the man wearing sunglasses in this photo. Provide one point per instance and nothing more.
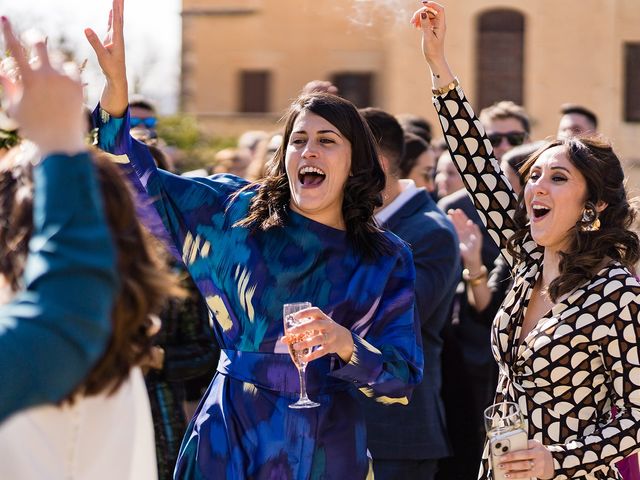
(143, 120)
(507, 126)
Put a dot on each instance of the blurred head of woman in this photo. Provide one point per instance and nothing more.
(145, 280)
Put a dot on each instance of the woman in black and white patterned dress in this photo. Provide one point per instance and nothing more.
(566, 336)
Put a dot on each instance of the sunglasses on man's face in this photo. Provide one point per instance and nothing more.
(514, 138)
(149, 122)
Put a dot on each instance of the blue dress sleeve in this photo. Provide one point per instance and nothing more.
(172, 206)
(54, 331)
(387, 360)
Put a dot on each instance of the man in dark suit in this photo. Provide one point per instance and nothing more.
(406, 441)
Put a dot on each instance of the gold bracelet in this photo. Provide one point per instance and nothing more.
(447, 88)
(475, 280)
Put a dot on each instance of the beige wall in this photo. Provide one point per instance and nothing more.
(573, 53)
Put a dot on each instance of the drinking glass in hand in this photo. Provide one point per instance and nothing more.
(298, 355)
(502, 417)
(505, 429)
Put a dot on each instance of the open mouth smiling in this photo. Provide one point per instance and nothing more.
(310, 176)
(539, 211)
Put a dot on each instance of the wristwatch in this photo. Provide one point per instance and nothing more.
(447, 88)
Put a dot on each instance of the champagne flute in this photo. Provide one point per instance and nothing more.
(298, 355)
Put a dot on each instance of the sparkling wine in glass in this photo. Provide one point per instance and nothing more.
(298, 355)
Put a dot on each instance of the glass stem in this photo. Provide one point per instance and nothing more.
(303, 383)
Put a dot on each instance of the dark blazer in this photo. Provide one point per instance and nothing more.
(417, 431)
(470, 329)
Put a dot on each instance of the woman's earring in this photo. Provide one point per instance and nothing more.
(590, 221)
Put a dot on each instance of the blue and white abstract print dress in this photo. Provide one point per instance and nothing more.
(243, 427)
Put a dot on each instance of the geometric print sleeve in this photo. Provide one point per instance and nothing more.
(607, 443)
(472, 154)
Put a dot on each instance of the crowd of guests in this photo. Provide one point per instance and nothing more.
(415, 333)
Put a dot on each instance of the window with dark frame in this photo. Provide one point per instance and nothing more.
(500, 57)
(632, 82)
(355, 87)
(255, 91)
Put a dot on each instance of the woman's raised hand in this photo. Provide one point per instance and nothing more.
(430, 19)
(470, 238)
(110, 53)
(45, 103)
(328, 336)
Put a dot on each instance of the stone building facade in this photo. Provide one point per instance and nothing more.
(245, 60)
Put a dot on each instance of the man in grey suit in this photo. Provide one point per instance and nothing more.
(406, 441)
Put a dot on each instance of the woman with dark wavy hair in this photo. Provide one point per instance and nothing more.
(103, 428)
(354, 194)
(566, 336)
(305, 233)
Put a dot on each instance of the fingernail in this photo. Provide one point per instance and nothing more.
(4, 19)
(423, 15)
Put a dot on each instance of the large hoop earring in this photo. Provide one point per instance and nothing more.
(590, 218)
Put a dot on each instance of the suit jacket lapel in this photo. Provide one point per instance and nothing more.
(418, 203)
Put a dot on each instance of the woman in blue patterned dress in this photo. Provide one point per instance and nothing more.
(305, 234)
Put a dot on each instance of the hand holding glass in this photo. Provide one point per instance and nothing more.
(298, 355)
(505, 429)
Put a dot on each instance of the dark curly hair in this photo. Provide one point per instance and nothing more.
(145, 279)
(362, 191)
(596, 161)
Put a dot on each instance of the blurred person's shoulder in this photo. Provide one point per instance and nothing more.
(455, 200)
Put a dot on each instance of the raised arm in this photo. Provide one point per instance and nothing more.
(111, 56)
(470, 149)
(111, 116)
(52, 333)
(474, 273)
(173, 199)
